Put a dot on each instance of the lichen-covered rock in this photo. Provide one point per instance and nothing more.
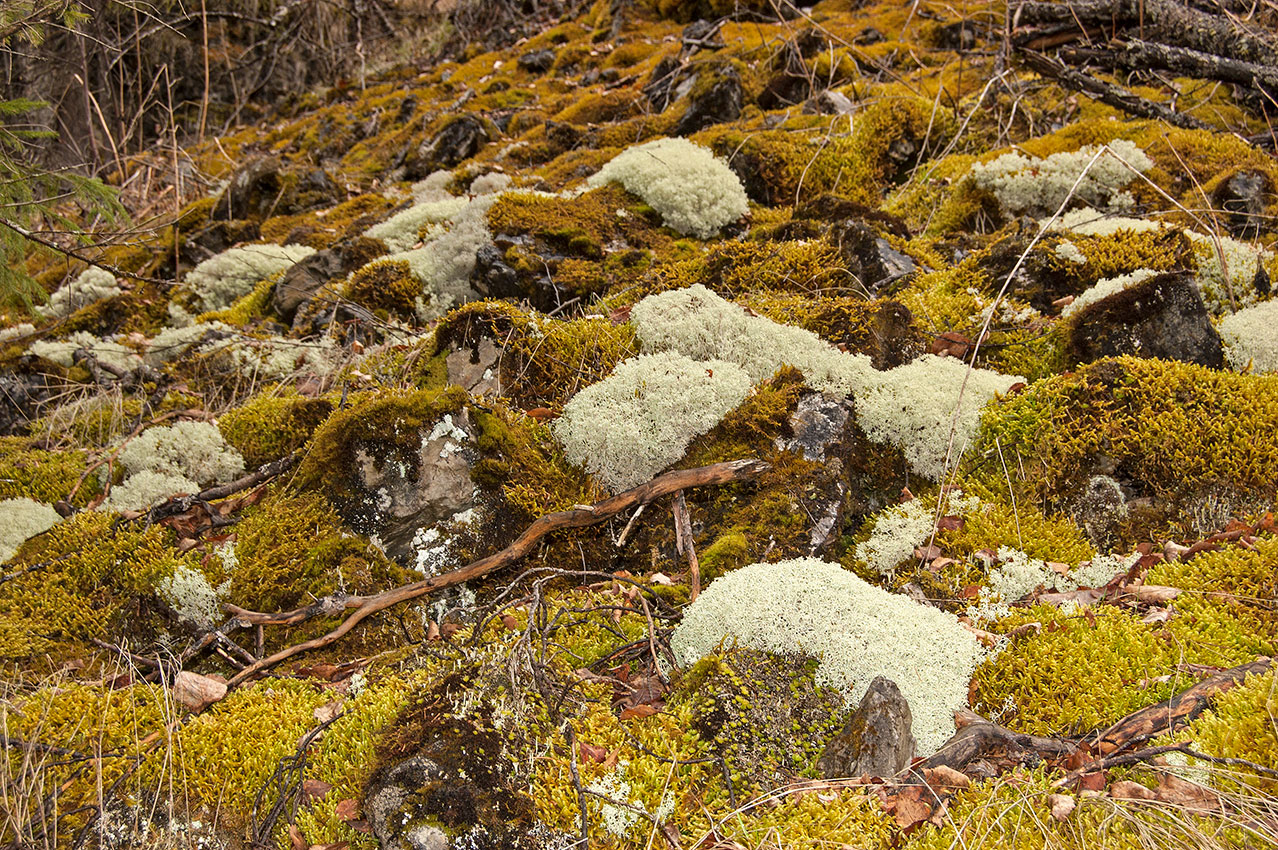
(877, 740)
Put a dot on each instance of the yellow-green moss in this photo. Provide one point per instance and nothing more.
(1240, 725)
(545, 361)
(522, 460)
(269, 426)
(219, 760)
(387, 285)
(1076, 673)
(95, 581)
(293, 549)
(44, 476)
(1172, 427)
(111, 727)
(1225, 611)
(249, 307)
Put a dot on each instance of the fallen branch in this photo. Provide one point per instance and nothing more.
(1171, 714)
(983, 739)
(579, 517)
(685, 545)
(1107, 93)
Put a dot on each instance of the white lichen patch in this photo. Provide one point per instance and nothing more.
(814, 608)
(695, 192)
(901, 528)
(1106, 287)
(20, 520)
(1016, 575)
(1251, 338)
(1025, 185)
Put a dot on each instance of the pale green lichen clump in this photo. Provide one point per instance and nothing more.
(694, 191)
(220, 281)
(90, 286)
(1026, 186)
(1250, 338)
(193, 449)
(810, 607)
(641, 418)
(21, 519)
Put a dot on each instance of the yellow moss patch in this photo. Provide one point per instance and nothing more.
(387, 285)
(269, 426)
(44, 476)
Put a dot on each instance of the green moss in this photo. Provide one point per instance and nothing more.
(323, 228)
(728, 552)
(387, 285)
(269, 426)
(96, 581)
(1172, 428)
(735, 269)
(544, 361)
(112, 727)
(1240, 725)
(292, 549)
(219, 760)
(882, 329)
(1075, 673)
(45, 476)
(247, 308)
(1225, 611)
(523, 462)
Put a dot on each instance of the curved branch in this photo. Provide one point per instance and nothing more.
(578, 517)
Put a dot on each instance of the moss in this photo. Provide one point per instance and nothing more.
(386, 285)
(385, 426)
(544, 361)
(1225, 611)
(1240, 725)
(248, 308)
(1077, 673)
(96, 581)
(111, 726)
(763, 714)
(882, 329)
(780, 167)
(523, 462)
(219, 760)
(293, 549)
(735, 269)
(45, 476)
(143, 309)
(1172, 429)
(323, 228)
(270, 426)
(728, 552)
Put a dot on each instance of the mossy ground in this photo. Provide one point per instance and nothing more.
(1187, 447)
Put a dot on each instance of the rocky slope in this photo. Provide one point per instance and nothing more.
(647, 433)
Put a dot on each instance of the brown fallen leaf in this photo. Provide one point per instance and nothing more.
(510, 622)
(927, 553)
(1062, 805)
(638, 711)
(950, 523)
(1125, 789)
(944, 776)
(315, 789)
(347, 810)
(1188, 795)
(432, 630)
(909, 806)
(296, 839)
(591, 752)
(1154, 594)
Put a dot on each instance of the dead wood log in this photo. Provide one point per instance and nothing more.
(985, 739)
(1135, 54)
(1171, 22)
(362, 607)
(1108, 93)
(1173, 713)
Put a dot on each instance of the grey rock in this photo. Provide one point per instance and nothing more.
(721, 101)
(1161, 317)
(1243, 196)
(386, 796)
(476, 369)
(830, 102)
(303, 279)
(877, 740)
(537, 61)
(816, 424)
(407, 496)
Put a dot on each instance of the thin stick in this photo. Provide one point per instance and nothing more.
(683, 538)
(585, 515)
